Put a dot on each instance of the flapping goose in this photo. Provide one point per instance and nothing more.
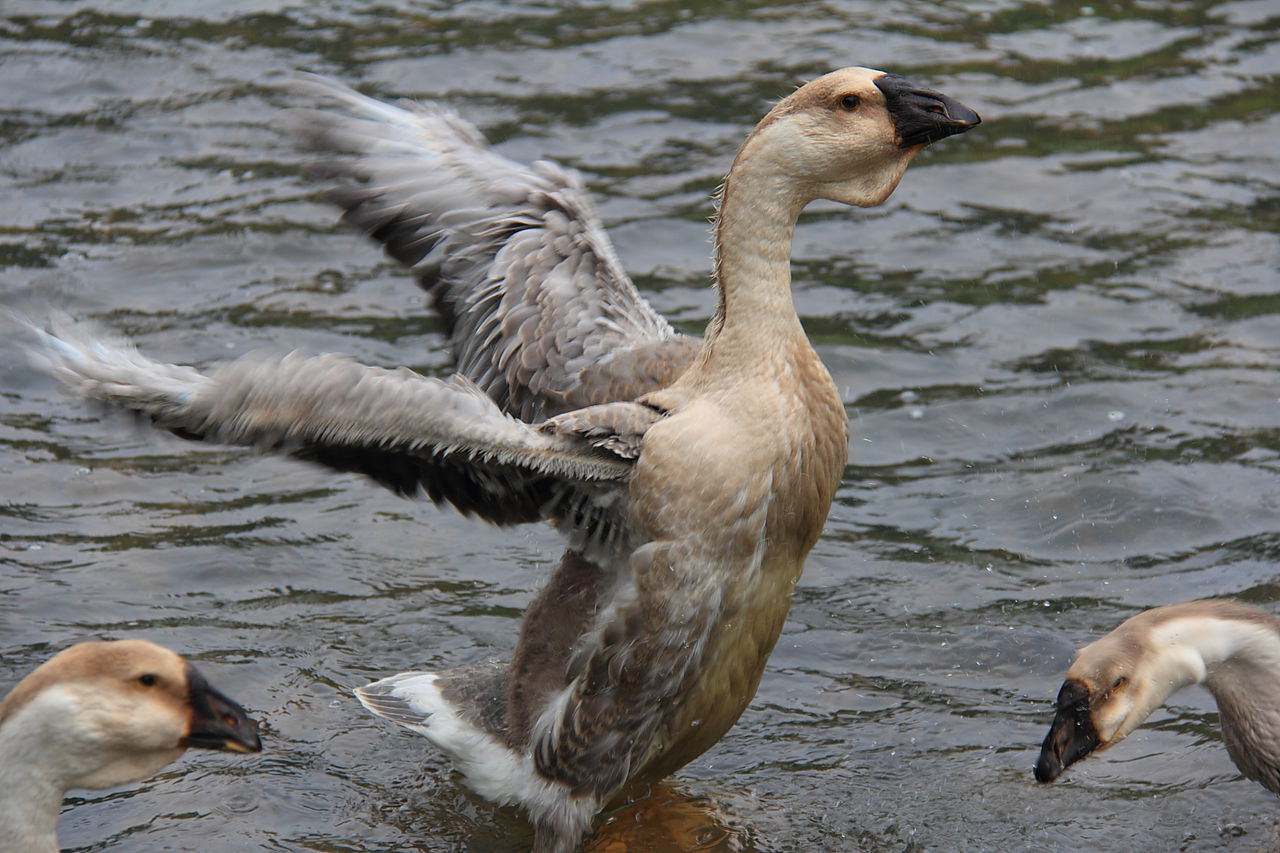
(538, 310)
(1117, 681)
(691, 481)
(99, 715)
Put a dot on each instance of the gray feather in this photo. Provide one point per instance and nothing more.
(540, 313)
(410, 433)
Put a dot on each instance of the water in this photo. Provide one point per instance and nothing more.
(1057, 343)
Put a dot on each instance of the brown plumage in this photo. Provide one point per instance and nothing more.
(691, 478)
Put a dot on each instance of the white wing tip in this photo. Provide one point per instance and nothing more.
(99, 365)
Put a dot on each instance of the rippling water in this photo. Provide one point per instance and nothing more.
(1058, 346)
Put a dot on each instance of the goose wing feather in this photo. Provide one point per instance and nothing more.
(408, 432)
(649, 653)
(538, 309)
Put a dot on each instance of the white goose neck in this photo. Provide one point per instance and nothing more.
(1245, 660)
(1215, 647)
(1242, 670)
(31, 784)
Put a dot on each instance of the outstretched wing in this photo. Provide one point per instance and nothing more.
(539, 311)
(408, 432)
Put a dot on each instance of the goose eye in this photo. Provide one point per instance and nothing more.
(148, 680)
(849, 102)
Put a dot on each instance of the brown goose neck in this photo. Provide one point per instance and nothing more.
(753, 233)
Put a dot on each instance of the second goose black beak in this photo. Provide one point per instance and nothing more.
(216, 721)
(1072, 735)
(922, 116)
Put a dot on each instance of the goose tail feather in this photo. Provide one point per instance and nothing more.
(409, 698)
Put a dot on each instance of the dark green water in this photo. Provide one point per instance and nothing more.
(1058, 344)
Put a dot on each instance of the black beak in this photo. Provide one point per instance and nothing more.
(1072, 735)
(922, 116)
(216, 721)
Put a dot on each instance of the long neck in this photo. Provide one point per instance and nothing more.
(30, 789)
(1243, 673)
(1227, 645)
(755, 316)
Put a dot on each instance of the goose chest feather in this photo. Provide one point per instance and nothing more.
(691, 478)
(730, 515)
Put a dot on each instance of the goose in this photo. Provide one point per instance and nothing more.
(1115, 683)
(537, 308)
(691, 478)
(98, 715)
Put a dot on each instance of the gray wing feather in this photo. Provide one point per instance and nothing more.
(540, 313)
(631, 673)
(617, 427)
(410, 433)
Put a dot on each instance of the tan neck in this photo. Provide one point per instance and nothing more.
(755, 317)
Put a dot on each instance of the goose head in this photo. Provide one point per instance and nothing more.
(1113, 685)
(848, 136)
(106, 713)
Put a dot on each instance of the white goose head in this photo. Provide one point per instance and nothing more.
(105, 713)
(1108, 692)
(1118, 680)
(848, 136)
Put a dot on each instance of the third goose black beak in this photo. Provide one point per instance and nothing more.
(1072, 735)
